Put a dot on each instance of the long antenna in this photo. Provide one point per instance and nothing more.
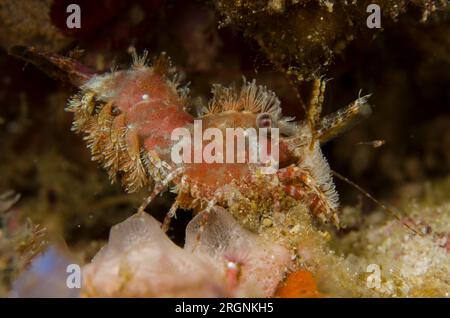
(381, 204)
(56, 66)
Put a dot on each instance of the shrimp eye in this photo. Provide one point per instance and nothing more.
(264, 120)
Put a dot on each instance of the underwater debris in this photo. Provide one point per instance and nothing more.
(409, 265)
(373, 143)
(7, 200)
(28, 22)
(303, 37)
(20, 241)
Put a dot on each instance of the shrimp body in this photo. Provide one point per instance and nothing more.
(128, 117)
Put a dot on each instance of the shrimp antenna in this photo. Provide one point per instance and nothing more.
(56, 66)
(377, 202)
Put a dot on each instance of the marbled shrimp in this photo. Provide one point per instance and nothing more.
(127, 117)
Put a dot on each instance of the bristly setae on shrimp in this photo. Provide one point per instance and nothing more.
(127, 117)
